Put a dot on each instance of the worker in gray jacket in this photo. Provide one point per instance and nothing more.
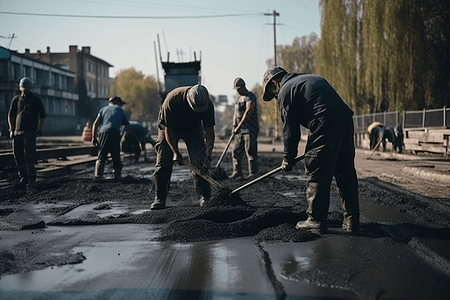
(309, 100)
(246, 130)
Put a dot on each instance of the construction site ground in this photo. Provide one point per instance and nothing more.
(73, 238)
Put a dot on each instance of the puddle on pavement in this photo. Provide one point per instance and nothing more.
(102, 210)
(390, 214)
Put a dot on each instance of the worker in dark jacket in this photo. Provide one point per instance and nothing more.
(187, 113)
(26, 119)
(107, 126)
(309, 100)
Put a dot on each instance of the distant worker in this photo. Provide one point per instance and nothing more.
(136, 143)
(375, 130)
(26, 119)
(86, 135)
(109, 119)
(309, 100)
(187, 113)
(380, 134)
(245, 130)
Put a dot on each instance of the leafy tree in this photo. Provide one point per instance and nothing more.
(298, 57)
(140, 92)
(386, 54)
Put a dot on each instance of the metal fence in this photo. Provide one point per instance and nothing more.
(361, 122)
(426, 118)
(410, 119)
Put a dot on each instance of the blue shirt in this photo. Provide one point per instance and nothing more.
(112, 117)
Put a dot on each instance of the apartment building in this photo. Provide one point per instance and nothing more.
(55, 85)
(92, 75)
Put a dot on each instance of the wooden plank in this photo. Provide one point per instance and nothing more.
(7, 159)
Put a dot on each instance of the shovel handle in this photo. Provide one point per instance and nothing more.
(270, 173)
(225, 150)
(202, 175)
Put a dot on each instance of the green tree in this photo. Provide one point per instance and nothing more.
(140, 92)
(386, 54)
(298, 57)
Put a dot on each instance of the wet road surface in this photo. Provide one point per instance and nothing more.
(124, 262)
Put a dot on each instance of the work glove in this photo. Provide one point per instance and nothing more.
(95, 142)
(287, 165)
(38, 132)
(178, 158)
(206, 165)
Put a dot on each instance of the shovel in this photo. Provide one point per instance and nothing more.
(270, 173)
(225, 150)
(219, 173)
(202, 175)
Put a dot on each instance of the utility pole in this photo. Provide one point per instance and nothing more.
(275, 14)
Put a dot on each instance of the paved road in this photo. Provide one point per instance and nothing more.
(123, 262)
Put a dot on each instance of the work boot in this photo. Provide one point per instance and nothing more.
(22, 184)
(351, 224)
(158, 204)
(31, 182)
(99, 169)
(311, 225)
(202, 201)
(252, 167)
(237, 169)
(117, 174)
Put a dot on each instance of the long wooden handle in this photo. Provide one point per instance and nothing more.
(199, 173)
(270, 173)
(225, 150)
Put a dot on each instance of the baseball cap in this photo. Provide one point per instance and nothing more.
(25, 84)
(116, 100)
(268, 76)
(198, 98)
(238, 82)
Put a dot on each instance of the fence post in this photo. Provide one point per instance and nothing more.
(404, 119)
(445, 125)
(423, 118)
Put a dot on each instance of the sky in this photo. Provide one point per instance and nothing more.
(232, 38)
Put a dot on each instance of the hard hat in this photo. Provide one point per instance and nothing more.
(198, 98)
(268, 76)
(25, 84)
(238, 82)
(116, 100)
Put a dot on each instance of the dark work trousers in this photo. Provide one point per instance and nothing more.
(246, 143)
(195, 144)
(24, 150)
(329, 152)
(109, 142)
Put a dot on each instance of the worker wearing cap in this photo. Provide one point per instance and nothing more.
(309, 100)
(246, 130)
(26, 119)
(187, 113)
(106, 136)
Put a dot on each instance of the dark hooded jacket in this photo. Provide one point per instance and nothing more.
(307, 99)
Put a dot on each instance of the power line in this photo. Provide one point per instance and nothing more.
(127, 17)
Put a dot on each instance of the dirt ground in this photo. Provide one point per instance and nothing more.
(268, 210)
